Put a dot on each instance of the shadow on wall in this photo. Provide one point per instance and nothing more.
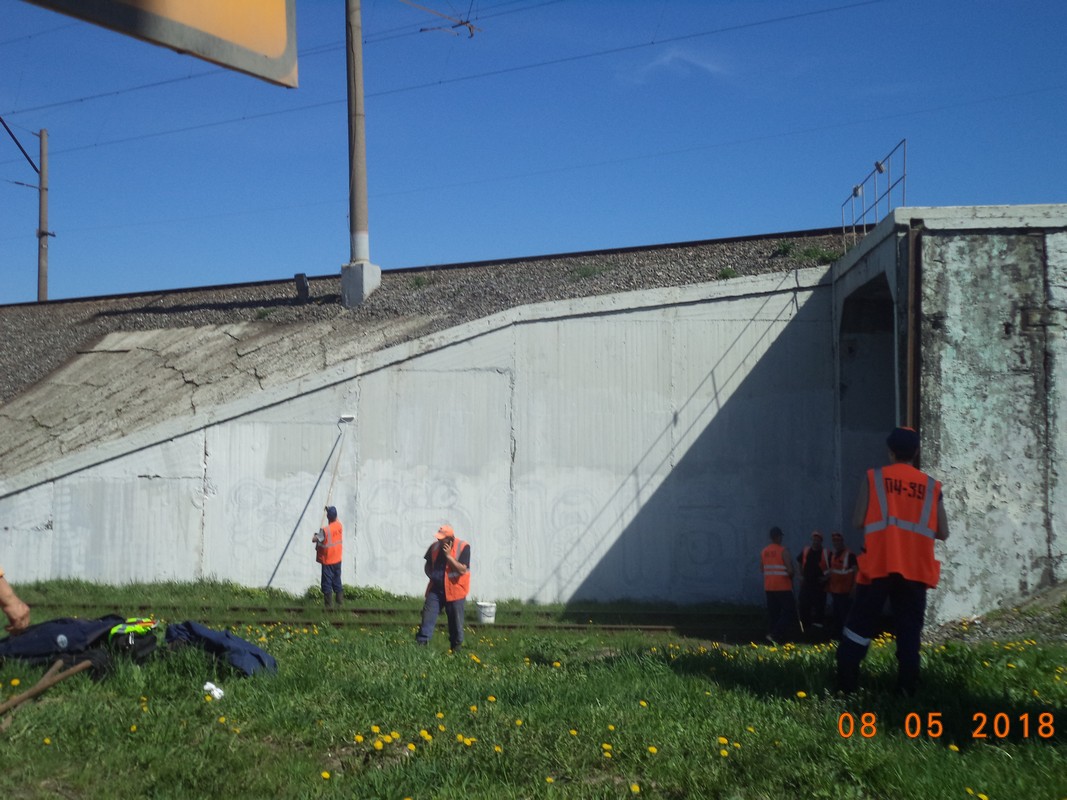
(749, 446)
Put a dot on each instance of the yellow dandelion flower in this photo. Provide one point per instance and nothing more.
(15, 681)
(556, 664)
(222, 720)
(498, 748)
(133, 729)
(440, 715)
(442, 728)
(737, 745)
(611, 727)
(388, 738)
(470, 741)
(518, 722)
(208, 698)
(750, 729)
(325, 775)
(1010, 666)
(723, 740)
(375, 729)
(970, 790)
(47, 740)
(573, 731)
(981, 796)
(724, 752)
(635, 788)
(236, 730)
(378, 744)
(411, 746)
(474, 709)
(652, 749)
(358, 738)
(491, 699)
(802, 695)
(459, 737)
(607, 754)
(953, 748)
(550, 779)
(643, 704)
(395, 735)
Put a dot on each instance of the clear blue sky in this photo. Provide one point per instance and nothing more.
(560, 126)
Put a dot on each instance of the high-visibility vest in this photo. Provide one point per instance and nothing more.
(822, 559)
(840, 577)
(329, 552)
(775, 573)
(900, 526)
(457, 586)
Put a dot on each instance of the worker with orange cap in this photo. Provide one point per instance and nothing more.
(448, 566)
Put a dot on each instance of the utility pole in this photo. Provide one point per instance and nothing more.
(359, 277)
(42, 221)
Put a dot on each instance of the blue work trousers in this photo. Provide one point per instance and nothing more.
(431, 610)
(907, 603)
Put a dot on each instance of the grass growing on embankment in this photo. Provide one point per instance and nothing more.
(527, 713)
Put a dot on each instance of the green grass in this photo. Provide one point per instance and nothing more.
(359, 711)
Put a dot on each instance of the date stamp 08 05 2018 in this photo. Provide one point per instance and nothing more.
(983, 725)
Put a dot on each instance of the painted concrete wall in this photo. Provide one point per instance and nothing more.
(636, 445)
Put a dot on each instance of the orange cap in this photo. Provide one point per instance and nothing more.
(444, 532)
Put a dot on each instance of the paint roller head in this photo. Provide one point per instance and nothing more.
(347, 417)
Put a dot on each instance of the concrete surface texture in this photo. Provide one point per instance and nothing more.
(629, 445)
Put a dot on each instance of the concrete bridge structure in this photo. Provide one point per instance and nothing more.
(636, 445)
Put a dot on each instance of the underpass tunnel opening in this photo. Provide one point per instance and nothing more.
(867, 391)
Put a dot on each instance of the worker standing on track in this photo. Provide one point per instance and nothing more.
(777, 566)
(328, 554)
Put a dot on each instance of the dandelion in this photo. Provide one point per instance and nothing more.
(643, 704)
(15, 681)
(982, 796)
(358, 738)
(737, 745)
(518, 723)
(723, 740)
(491, 699)
(635, 788)
(556, 664)
(574, 731)
(607, 754)
(325, 775)
(440, 714)
(474, 709)
(442, 728)
(208, 698)
(953, 748)
(395, 735)
(47, 740)
(133, 729)
(611, 727)
(459, 737)
(470, 741)
(378, 744)
(652, 749)
(802, 695)
(375, 729)
(750, 729)
(411, 746)
(724, 752)
(388, 738)
(550, 779)
(970, 790)
(498, 748)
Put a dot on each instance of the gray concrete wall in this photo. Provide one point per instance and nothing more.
(635, 445)
(990, 390)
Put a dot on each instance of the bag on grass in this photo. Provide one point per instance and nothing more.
(135, 638)
(44, 642)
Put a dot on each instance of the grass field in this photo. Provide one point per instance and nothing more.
(356, 710)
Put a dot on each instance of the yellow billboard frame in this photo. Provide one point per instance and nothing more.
(257, 37)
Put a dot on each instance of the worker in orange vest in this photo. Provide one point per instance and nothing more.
(17, 612)
(777, 567)
(813, 566)
(840, 580)
(448, 566)
(901, 512)
(328, 554)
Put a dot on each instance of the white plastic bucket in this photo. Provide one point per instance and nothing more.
(486, 612)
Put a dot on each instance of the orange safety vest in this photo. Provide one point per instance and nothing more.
(329, 552)
(841, 578)
(900, 526)
(456, 586)
(775, 574)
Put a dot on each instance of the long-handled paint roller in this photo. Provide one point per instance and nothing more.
(338, 444)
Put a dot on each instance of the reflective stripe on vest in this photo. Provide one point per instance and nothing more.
(329, 552)
(457, 585)
(920, 527)
(841, 577)
(775, 573)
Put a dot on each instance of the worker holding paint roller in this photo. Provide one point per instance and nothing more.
(328, 554)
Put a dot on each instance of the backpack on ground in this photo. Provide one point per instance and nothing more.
(135, 639)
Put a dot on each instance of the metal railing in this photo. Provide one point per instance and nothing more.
(866, 199)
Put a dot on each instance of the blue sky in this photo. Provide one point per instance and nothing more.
(559, 126)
